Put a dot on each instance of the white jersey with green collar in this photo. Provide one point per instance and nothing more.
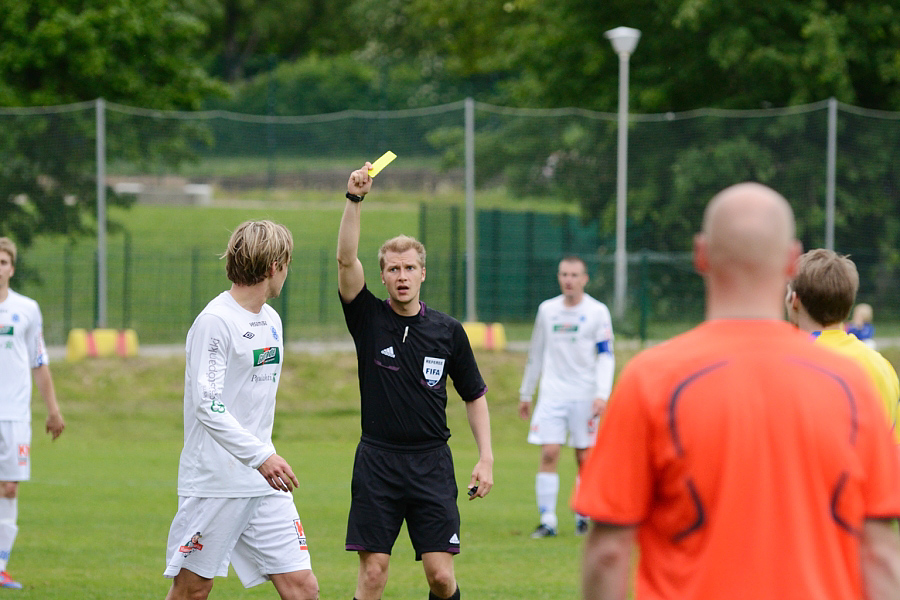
(231, 375)
(571, 352)
(21, 350)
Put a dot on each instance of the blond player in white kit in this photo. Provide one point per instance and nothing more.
(571, 353)
(23, 355)
(234, 501)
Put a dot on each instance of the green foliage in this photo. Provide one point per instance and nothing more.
(141, 53)
(246, 37)
(311, 85)
(56, 52)
(693, 53)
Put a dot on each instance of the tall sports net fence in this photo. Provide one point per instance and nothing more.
(190, 178)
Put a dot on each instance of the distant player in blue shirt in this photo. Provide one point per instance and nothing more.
(861, 324)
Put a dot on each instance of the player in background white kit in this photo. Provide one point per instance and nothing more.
(23, 355)
(234, 501)
(571, 353)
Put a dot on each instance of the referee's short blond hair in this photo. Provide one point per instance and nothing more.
(401, 244)
(253, 248)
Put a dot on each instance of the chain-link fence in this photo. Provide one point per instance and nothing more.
(156, 280)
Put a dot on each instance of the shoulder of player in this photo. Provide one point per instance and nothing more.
(436, 318)
(22, 301)
(551, 303)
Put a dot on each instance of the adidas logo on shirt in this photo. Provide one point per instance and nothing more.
(454, 539)
(389, 351)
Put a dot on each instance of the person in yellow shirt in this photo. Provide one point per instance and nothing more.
(819, 299)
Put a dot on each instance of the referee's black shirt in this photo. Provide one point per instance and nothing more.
(403, 365)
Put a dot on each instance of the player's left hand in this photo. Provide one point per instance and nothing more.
(524, 410)
(599, 407)
(278, 474)
(55, 425)
(482, 479)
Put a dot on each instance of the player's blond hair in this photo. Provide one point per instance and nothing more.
(8, 246)
(401, 244)
(826, 283)
(253, 248)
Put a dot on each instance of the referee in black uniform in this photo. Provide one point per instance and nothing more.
(403, 467)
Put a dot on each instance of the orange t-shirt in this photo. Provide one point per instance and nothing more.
(748, 458)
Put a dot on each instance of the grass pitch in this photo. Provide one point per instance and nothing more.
(94, 518)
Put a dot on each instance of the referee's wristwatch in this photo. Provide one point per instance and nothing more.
(354, 197)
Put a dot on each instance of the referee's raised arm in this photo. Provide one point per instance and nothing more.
(351, 278)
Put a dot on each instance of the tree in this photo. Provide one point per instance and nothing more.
(247, 37)
(693, 53)
(138, 52)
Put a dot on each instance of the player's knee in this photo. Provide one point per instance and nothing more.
(299, 585)
(442, 582)
(549, 459)
(189, 586)
(374, 573)
(9, 489)
(190, 591)
(310, 588)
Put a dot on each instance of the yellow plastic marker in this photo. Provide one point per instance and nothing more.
(381, 163)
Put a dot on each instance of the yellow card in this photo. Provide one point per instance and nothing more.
(381, 163)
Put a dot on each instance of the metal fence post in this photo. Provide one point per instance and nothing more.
(101, 315)
(830, 173)
(67, 288)
(471, 314)
(126, 280)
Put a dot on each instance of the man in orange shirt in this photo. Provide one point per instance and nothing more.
(745, 461)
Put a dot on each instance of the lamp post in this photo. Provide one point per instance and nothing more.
(624, 40)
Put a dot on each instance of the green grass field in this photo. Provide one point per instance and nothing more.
(94, 518)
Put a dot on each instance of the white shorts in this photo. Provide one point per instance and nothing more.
(15, 450)
(259, 536)
(562, 422)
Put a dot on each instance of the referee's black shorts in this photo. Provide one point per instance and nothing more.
(389, 486)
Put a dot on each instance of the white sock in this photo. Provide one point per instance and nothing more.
(547, 489)
(9, 512)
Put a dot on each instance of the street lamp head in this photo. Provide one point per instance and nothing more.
(624, 39)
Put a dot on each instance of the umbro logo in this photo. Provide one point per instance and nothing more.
(454, 539)
(389, 351)
(249, 335)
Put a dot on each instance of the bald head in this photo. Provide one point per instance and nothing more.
(748, 226)
(746, 251)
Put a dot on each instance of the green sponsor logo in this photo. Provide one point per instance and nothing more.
(265, 356)
(6, 329)
(565, 328)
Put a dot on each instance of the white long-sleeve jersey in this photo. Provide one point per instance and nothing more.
(571, 352)
(21, 350)
(231, 376)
